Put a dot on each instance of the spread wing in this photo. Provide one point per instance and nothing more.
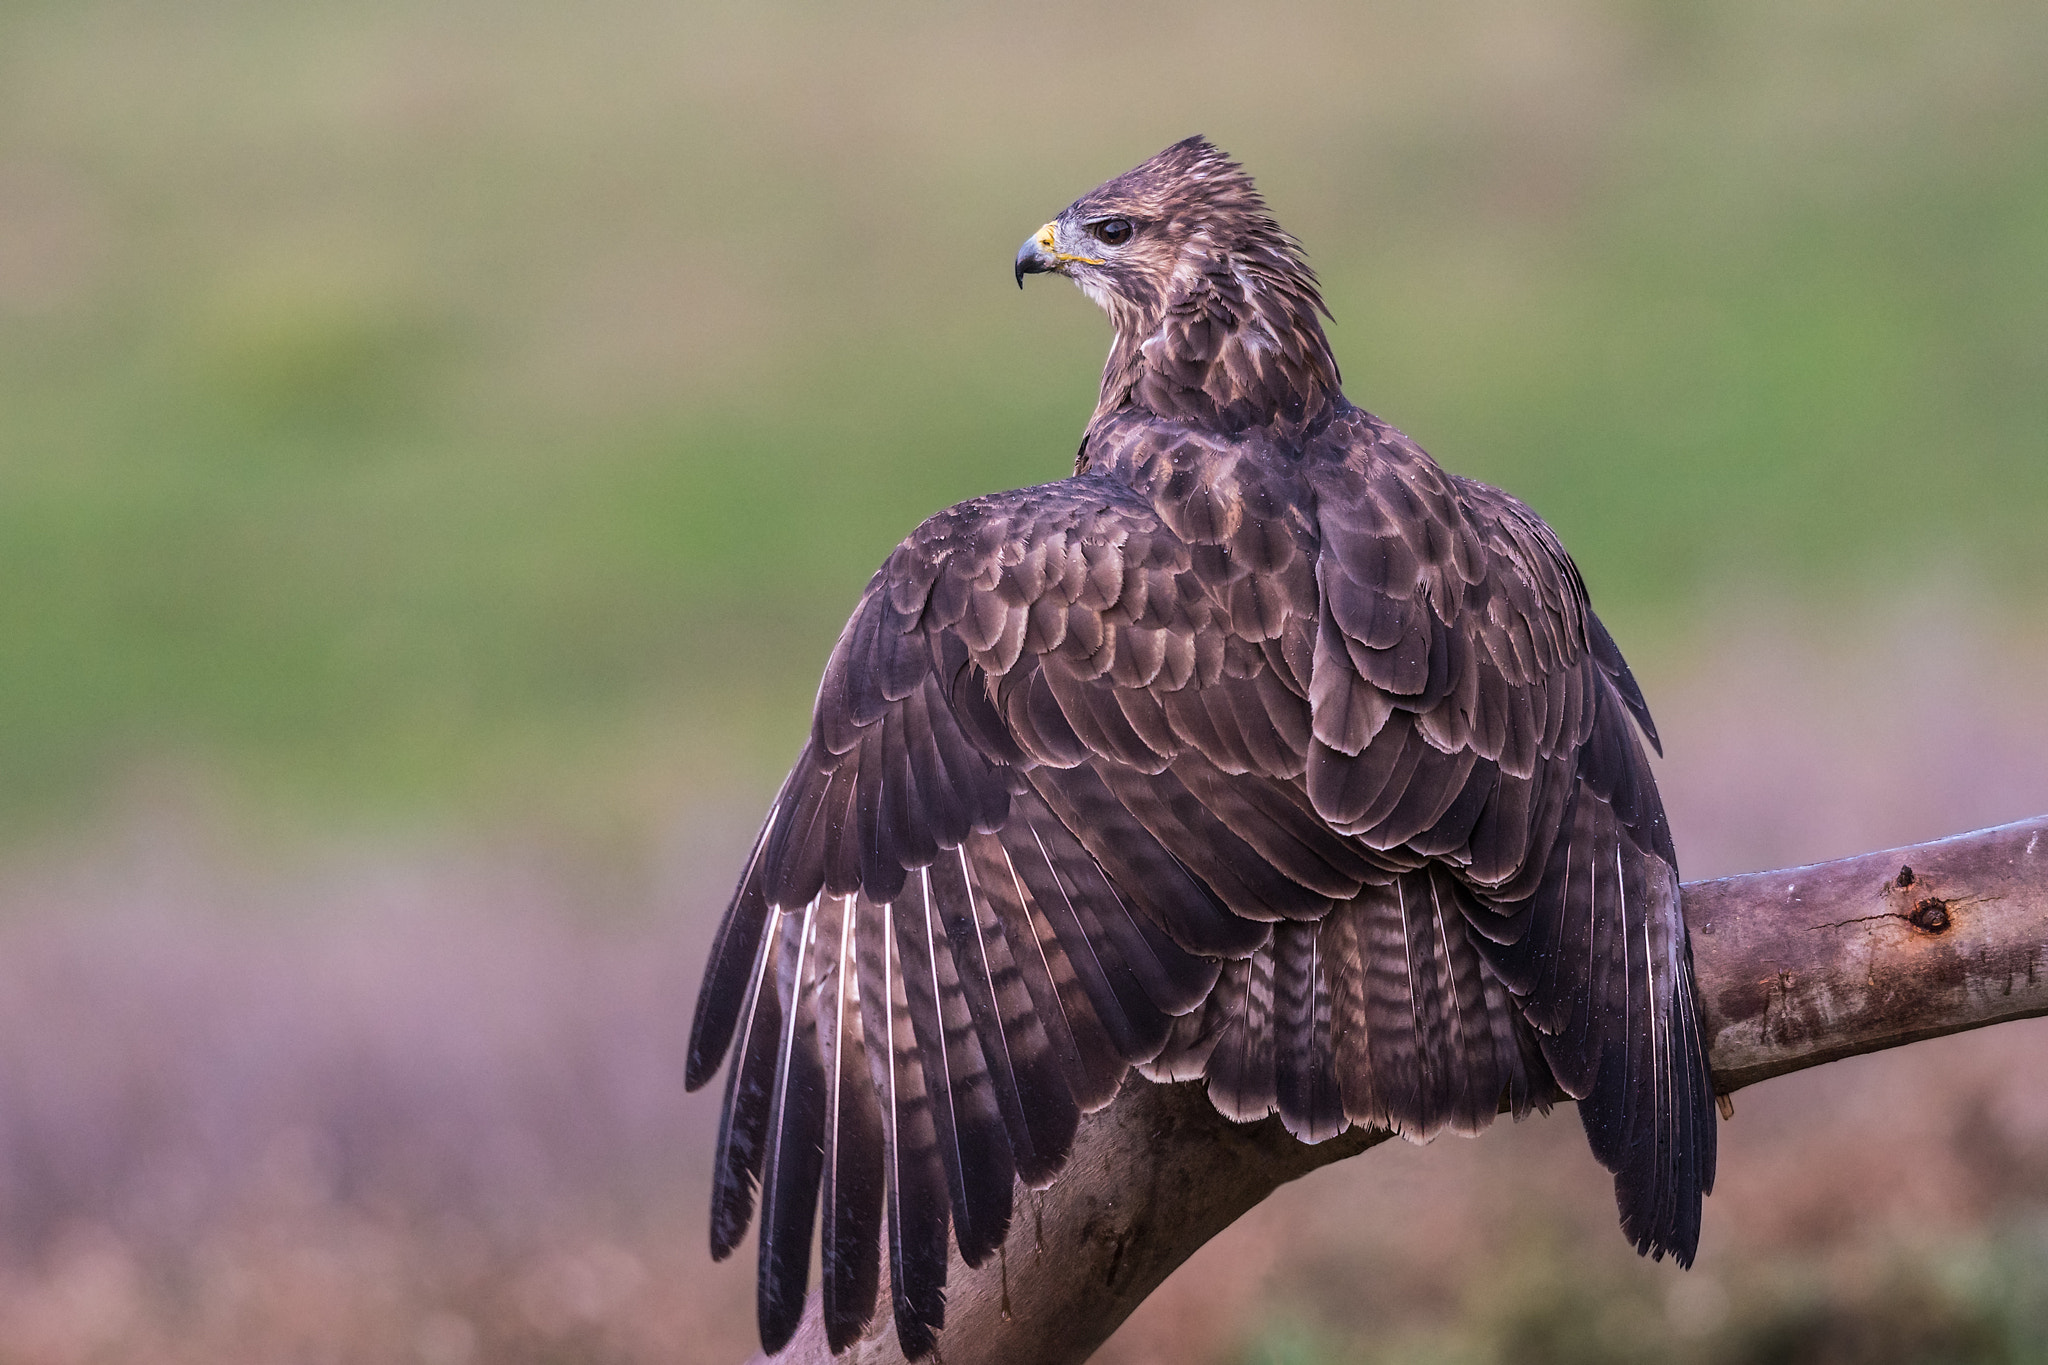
(1318, 784)
(952, 937)
(1469, 706)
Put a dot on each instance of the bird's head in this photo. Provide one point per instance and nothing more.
(1124, 241)
(1184, 256)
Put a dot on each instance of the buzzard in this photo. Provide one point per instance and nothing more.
(1261, 751)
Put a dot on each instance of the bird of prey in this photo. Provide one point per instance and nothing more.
(1261, 750)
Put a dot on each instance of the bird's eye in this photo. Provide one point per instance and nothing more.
(1112, 231)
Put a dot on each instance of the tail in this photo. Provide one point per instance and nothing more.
(1403, 1010)
(1383, 1015)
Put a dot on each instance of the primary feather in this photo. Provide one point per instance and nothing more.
(1261, 750)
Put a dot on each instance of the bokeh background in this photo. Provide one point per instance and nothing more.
(438, 444)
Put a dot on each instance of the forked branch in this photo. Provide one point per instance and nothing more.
(1796, 968)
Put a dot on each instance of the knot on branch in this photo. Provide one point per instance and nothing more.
(1930, 914)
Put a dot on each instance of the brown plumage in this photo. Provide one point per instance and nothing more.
(1261, 751)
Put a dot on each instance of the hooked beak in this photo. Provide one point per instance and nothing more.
(1037, 256)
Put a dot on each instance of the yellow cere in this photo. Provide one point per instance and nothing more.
(1044, 239)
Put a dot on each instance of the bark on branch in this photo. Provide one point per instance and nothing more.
(1796, 968)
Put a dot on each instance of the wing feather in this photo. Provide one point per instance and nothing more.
(743, 1125)
(733, 969)
(853, 1183)
(796, 1121)
(973, 1148)
(915, 1192)
(1037, 1107)
(1071, 1008)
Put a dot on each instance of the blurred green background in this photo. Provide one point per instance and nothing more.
(428, 412)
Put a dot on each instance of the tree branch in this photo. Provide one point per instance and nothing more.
(1796, 968)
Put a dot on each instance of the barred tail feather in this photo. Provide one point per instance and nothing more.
(1242, 1083)
(1384, 1015)
(1304, 1064)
